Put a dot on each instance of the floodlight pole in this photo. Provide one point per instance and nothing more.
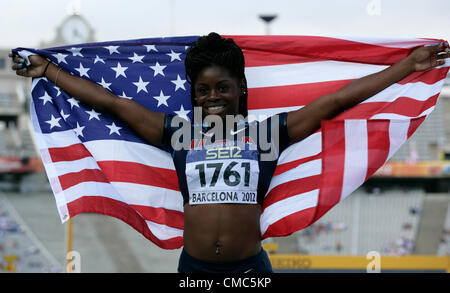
(267, 18)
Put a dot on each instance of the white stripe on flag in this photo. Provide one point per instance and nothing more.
(419, 91)
(355, 166)
(301, 171)
(310, 72)
(163, 232)
(310, 146)
(110, 150)
(398, 134)
(120, 150)
(59, 139)
(61, 168)
(90, 189)
(288, 206)
(146, 195)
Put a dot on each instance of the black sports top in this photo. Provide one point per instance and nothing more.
(236, 168)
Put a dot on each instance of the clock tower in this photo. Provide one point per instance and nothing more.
(74, 29)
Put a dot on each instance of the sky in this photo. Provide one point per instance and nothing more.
(26, 23)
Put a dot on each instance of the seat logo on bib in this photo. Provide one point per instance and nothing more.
(224, 153)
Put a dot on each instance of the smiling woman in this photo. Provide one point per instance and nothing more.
(215, 91)
(215, 66)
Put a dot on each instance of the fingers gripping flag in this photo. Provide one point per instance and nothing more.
(95, 164)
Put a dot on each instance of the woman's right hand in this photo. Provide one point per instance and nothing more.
(35, 69)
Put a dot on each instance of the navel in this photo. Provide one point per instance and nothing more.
(218, 246)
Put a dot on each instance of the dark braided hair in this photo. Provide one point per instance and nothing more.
(214, 50)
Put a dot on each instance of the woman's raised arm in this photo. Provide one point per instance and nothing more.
(305, 121)
(146, 123)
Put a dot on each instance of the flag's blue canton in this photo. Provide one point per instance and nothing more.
(150, 71)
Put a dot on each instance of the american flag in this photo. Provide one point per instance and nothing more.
(95, 164)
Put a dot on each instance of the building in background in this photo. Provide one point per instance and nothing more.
(18, 154)
(74, 29)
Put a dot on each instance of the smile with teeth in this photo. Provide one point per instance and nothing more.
(214, 108)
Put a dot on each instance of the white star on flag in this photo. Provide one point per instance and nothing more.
(119, 70)
(79, 130)
(60, 57)
(125, 96)
(141, 85)
(113, 128)
(58, 90)
(76, 51)
(73, 103)
(46, 98)
(64, 115)
(151, 48)
(182, 112)
(98, 59)
(93, 114)
(83, 71)
(158, 69)
(112, 49)
(179, 83)
(54, 122)
(137, 58)
(162, 99)
(174, 56)
(104, 84)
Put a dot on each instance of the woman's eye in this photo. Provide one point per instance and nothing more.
(223, 89)
(202, 91)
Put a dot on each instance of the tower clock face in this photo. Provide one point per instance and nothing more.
(74, 30)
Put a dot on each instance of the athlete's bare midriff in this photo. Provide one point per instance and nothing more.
(222, 232)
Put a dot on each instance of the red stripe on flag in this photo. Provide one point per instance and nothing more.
(291, 223)
(429, 77)
(162, 216)
(86, 175)
(122, 211)
(324, 48)
(402, 106)
(378, 145)
(333, 160)
(413, 124)
(118, 171)
(69, 153)
(291, 95)
(291, 188)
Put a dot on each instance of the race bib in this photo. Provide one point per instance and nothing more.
(222, 173)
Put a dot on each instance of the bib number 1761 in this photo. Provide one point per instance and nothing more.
(231, 177)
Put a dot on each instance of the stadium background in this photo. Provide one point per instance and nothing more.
(401, 214)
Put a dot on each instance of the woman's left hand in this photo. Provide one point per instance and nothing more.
(424, 58)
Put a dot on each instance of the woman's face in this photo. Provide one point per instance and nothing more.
(217, 92)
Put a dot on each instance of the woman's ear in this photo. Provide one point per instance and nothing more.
(243, 87)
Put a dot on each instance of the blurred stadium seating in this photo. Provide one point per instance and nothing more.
(444, 246)
(363, 222)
